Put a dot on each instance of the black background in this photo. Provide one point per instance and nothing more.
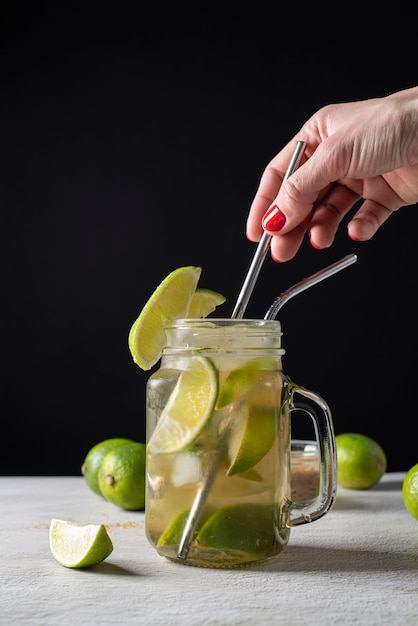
(132, 144)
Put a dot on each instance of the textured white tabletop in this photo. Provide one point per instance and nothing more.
(357, 565)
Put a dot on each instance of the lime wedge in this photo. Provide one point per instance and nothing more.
(245, 527)
(174, 531)
(204, 302)
(188, 409)
(171, 300)
(76, 546)
(251, 438)
(242, 379)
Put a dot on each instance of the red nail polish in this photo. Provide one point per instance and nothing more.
(274, 219)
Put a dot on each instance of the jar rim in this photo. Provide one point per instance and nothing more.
(216, 322)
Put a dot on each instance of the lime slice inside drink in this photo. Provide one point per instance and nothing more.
(188, 409)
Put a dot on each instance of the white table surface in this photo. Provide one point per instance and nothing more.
(356, 565)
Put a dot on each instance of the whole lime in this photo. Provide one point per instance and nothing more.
(410, 491)
(361, 461)
(94, 458)
(121, 476)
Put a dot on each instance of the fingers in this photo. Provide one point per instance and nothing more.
(328, 214)
(368, 220)
(284, 247)
(321, 224)
(269, 187)
(297, 195)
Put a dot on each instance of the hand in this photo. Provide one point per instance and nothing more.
(355, 152)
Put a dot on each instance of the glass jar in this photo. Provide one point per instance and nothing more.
(218, 487)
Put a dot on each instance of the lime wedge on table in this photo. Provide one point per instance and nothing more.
(204, 302)
(188, 409)
(74, 545)
(171, 300)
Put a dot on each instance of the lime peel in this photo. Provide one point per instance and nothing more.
(170, 300)
(242, 379)
(251, 440)
(410, 491)
(245, 526)
(204, 302)
(361, 461)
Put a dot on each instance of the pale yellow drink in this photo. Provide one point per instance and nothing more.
(240, 457)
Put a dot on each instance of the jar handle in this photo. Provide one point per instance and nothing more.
(318, 410)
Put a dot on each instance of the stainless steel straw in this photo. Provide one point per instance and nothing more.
(242, 302)
(308, 282)
(204, 489)
(262, 247)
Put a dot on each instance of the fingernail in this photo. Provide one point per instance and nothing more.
(274, 219)
(313, 244)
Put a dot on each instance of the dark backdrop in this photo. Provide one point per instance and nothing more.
(133, 144)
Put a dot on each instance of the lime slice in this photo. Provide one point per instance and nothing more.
(241, 380)
(251, 438)
(174, 531)
(75, 545)
(171, 300)
(245, 527)
(188, 409)
(204, 302)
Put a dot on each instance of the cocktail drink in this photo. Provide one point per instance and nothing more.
(219, 408)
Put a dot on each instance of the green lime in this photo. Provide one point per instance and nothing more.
(204, 302)
(74, 545)
(94, 458)
(242, 379)
(170, 300)
(361, 461)
(251, 438)
(246, 527)
(188, 409)
(410, 491)
(122, 476)
(174, 531)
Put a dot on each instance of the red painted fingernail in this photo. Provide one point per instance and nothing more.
(274, 219)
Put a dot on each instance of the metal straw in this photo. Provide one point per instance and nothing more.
(308, 282)
(262, 247)
(202, 494)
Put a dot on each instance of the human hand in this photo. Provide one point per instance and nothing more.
(358, 151)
